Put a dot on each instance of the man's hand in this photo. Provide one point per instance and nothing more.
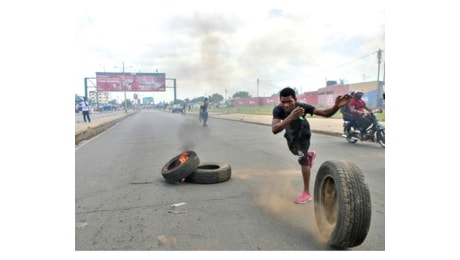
(341, 101)
(297, 112)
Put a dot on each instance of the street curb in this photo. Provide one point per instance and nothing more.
(265, 124)
(327, 133)
(92, 132)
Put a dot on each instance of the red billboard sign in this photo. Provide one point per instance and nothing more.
(115, 81)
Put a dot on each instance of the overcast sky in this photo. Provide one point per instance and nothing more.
(207, 46)
(225, 46)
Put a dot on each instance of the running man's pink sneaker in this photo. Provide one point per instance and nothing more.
(311, 157)
(304, 198)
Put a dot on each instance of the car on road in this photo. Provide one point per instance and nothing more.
(177, 108)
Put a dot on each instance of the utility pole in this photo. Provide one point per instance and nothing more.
(86, 88)
(175, 95)
(383, 80)
(379, 87)
(124, 85)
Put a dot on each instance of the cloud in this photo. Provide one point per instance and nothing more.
(211, 48)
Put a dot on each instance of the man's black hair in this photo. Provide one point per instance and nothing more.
(286, 92)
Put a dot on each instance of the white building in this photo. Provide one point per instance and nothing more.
(99, 97)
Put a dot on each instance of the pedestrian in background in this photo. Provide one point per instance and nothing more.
(184, 109)
(85, 110)
(204, 111)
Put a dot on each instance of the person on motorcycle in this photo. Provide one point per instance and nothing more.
(357, 107)
(347, 116)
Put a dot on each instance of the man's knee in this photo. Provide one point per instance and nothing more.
(303, 160)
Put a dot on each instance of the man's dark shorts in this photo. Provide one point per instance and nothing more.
(303, 144)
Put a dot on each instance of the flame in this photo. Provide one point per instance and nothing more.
(183, 157)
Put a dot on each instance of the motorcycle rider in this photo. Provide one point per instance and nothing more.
(347, 116)
(357, 107)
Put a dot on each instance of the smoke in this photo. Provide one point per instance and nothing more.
(212, 52)
(276, 193)
(190, 133)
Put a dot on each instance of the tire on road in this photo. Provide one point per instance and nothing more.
(342, 203)
(174, 171)
(210, 173)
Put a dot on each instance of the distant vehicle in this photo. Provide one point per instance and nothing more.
(177, 108)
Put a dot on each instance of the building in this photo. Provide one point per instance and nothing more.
(373, 93)
(325, 96)
(99, 97)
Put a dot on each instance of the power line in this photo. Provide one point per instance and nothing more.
(328, 69)
(89, 19)
(365, 56)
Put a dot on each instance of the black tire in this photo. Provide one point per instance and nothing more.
(209, 173)
(174, 171)
(381, 137)
(342, 204)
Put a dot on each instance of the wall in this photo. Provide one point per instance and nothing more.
(322, 97)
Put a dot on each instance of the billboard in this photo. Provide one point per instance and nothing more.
(116, 81)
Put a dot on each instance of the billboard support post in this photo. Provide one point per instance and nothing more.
(175, 94)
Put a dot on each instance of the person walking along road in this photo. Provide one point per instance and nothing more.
(204, 112)
(85, 110)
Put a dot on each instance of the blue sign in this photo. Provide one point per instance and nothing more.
(147, 100)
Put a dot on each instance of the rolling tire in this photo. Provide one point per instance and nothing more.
(210, 173)
(342, 204)
(173, 171)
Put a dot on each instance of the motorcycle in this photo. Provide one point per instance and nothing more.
(375, 131)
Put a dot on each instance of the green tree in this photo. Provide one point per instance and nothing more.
(217, 97)
(77, 98)
(241, 94)
(128, 102)
(296, 90)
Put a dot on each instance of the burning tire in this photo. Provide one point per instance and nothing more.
(209, 173)
(342, 203)
(181, 166)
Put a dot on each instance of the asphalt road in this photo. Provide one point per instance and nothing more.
(122, 200)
